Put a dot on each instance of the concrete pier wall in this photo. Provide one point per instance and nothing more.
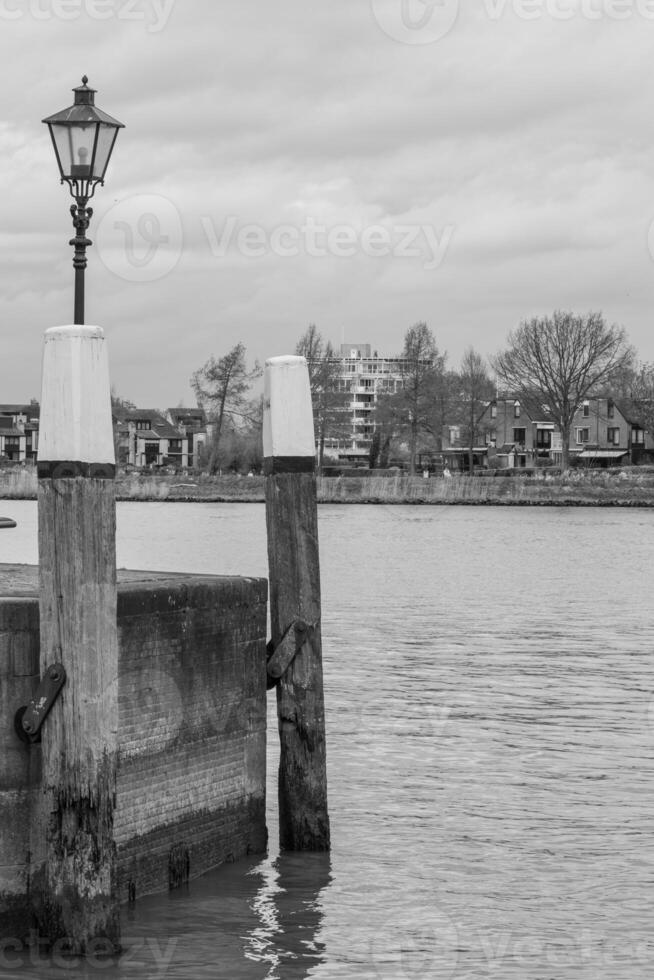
(192, 729)
(19, 664)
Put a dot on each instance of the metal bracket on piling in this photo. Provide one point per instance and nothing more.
(282, 656)
(29, 718)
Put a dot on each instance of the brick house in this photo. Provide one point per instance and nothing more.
(193, 423)
(145, 437)
(456, 453)
(608, 432)
(19, 432)
(518, 431)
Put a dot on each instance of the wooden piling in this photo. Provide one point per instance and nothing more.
(294, 573)
(73, 883)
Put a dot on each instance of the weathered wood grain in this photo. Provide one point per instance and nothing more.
(294, 567)
(74, 887)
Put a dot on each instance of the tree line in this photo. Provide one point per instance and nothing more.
(560, 360)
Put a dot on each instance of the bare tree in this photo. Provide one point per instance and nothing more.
(222, 387)
(390, 420)
(638, 391)
(312, 347)
(422, 367)
(328, 401)
(562, 359)
(475, 391)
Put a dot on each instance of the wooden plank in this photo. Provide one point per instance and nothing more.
(294, 570)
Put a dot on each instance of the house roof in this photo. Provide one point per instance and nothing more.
(29, 411)
(166, 431)
(628, 408)
(602, 453)
(182, 413)
(159, 430)
(533, 408)
(17, 410)
(533, 404)
(132, 414)
(459, 450)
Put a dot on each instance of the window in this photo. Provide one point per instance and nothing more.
(586, 410)
(582, 435)
(493, 409)
(519, 436)
(516, 410)
(638, 437)
(610, 409)
(544, 438)
(613, 436)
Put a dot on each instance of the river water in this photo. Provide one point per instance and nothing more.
(490, 720)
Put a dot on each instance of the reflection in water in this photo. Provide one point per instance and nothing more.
(290, 910)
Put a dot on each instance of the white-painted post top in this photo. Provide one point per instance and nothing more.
(287, 412)
(76, 424)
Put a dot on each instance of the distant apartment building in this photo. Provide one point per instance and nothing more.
(364, 375)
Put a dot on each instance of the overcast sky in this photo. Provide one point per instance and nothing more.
(360, 164)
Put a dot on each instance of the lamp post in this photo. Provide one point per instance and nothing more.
(83, 137)
(73, 876)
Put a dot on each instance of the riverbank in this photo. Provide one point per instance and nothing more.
(590, 488)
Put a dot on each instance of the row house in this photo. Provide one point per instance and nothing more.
(608, 431)
(19, 432)
(192, 422)
(455, 454)
(521, 432)
(147, 438)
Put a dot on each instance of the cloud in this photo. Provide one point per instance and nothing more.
(528, 138)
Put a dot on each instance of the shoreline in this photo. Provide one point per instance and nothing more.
(632, 488)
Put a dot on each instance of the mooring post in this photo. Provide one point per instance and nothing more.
(294, 572)
(73, 884)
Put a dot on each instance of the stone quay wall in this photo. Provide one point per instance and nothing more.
(192, 730)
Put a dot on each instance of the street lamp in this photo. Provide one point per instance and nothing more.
(83, 137)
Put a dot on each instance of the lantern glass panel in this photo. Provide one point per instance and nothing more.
(75, 148)
(106, 139)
